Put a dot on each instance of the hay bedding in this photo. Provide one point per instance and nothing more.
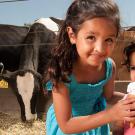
(14, 126)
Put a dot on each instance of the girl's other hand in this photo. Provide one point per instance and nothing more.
(124, 110)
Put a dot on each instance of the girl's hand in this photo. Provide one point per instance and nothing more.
(124, 110)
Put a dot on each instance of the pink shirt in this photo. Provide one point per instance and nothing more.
(128, 130)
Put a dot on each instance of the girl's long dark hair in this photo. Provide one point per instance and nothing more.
(64, 54)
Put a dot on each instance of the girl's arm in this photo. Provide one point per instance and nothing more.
(109, 93)
(70, 125)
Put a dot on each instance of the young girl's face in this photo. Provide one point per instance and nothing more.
(132, 65)
(95, 41)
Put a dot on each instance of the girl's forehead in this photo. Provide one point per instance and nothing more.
(97, 25)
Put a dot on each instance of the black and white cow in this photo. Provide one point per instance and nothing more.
(26, 60)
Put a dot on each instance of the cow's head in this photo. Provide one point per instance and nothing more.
(28, 89)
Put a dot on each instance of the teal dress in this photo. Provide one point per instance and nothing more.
(86, 99)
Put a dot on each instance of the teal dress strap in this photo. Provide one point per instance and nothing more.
(48, 86)
(109, 68)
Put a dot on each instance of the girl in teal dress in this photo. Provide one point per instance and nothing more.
(81, 75)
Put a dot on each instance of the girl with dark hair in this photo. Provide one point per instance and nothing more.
(81, 75)
(129, 55)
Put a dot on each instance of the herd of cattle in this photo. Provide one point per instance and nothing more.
(24, 54)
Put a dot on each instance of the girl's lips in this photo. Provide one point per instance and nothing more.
(98, 56)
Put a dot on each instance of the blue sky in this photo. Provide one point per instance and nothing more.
(18, 13)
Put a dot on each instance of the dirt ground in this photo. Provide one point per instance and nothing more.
(14, 126)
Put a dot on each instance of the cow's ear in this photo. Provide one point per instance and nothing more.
(56, 20)
(71, 35)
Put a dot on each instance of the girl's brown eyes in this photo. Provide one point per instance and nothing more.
(91, 37)
(132, 67)
(109, 40)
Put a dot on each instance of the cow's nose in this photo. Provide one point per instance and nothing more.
(1, 67)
